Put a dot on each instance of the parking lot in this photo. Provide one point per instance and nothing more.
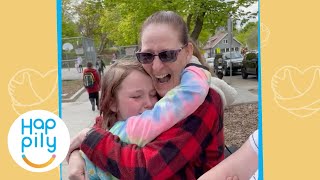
(237, 81)
(247, 88)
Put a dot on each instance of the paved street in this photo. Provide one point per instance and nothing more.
(78, 115)
(247, 88)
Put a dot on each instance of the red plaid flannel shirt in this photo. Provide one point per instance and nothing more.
(185, 151)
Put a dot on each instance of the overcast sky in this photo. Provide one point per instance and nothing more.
(252, 8)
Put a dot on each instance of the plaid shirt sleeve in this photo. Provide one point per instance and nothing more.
(168, 153)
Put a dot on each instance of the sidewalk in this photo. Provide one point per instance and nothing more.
(78, 115)
(70, 74)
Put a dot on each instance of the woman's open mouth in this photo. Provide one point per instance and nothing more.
(163, 78)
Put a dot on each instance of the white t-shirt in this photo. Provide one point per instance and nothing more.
(79, 60)
(255, 146)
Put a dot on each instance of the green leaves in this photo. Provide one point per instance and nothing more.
(118, 22)
(248, 36)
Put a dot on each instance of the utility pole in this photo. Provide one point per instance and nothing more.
(230, 42)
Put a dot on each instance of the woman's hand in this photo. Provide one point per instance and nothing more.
(76, 142)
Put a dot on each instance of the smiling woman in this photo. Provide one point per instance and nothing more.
(157, 38)
(189, 147)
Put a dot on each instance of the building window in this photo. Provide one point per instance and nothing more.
(223, 50)
(237, 48)
(225, 41)
(227, 49)
(232, 49)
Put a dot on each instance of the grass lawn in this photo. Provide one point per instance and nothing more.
(70, 87)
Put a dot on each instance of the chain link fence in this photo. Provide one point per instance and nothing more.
(74, 47)
(127, 52)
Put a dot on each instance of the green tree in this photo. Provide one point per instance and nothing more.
(120, 21)
(248, 35)
(207, 15)
(252, 40)
(69, 27)
(90, 13)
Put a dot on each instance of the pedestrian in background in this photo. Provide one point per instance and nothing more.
(100, 66)
(79, 64)
(91, 81)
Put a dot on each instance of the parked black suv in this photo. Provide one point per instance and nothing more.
(250, 65)
(235, 60)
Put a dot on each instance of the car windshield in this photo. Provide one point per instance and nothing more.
(233, 55)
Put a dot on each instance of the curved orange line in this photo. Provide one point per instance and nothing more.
(26, 160)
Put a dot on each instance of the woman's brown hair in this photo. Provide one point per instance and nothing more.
(174, 20)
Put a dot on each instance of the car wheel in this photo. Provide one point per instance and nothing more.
(220, 75)
(225, 72)
(244, 73)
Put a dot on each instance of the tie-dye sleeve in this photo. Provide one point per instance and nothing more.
(176, 105)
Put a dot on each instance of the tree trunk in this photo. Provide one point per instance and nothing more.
(103, 42)
(189, 22)
(198, 26)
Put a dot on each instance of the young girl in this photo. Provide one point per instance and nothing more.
(128, 93)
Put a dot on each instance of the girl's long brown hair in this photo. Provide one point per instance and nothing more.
(111, 82)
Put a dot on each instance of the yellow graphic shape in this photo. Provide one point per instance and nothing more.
(297, 91)
(29, 90)
(26, 160)
(264, 34)
(91, 172)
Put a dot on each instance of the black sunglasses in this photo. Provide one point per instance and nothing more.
(164, 56)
